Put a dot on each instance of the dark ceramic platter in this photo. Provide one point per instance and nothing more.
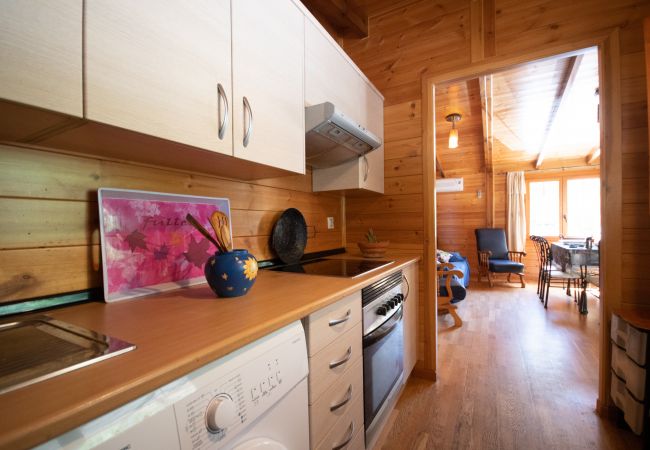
(289, 236)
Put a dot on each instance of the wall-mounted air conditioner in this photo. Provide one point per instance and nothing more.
(449, 185)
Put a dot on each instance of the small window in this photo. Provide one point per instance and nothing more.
(545, 208)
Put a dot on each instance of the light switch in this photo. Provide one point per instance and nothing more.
(330, 223)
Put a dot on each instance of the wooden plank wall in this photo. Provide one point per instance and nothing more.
(426, 38)
(49, 221)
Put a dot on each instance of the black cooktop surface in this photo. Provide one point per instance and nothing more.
(349, 268)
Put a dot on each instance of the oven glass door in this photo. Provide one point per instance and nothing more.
(382, 364)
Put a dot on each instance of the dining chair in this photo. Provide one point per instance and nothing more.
(540, 261)
(551, 273)
(494, 256)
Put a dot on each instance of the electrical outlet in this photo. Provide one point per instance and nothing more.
(330, 223)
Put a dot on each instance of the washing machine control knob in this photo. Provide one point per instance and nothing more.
(221, 413)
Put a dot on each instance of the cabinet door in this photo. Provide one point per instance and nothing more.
(329, 76)
(40, 54)
(268, 69)
(372, 168)
(156, 67)
(410, 319)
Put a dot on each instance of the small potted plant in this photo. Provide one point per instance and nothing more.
(372, 247)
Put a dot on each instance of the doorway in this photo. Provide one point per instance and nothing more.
(609, 258)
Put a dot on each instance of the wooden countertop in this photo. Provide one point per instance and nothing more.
(175, 333)
(637, 316)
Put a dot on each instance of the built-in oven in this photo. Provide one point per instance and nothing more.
(383, 349)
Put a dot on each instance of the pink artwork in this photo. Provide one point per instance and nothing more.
(148, 246)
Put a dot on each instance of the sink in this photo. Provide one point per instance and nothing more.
(39, 347)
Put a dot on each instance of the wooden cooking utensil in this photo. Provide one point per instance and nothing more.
(221, 225)
(195, 223)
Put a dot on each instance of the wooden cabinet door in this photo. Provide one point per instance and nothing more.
(410, 318)
(40, 54)
(158, 66)
(268, 73)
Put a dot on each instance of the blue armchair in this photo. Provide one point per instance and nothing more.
(494, 256)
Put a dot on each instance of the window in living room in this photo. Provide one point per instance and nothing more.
(567, 206)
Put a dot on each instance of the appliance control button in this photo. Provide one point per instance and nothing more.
(254, 393)
(221, 414)
(382, 310)
(390, 304)
(400, 297)
(397, 299)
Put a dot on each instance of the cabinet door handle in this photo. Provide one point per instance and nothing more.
(366, 166)
(346, 399)
(347, 440)
(249, 129)
(335, 322)
(343, 360)
(224, 120)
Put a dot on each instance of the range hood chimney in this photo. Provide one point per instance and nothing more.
(333, 138)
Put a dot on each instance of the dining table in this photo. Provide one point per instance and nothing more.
(571, 254)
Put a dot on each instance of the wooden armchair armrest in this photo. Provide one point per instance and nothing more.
(516, 256)
(448, 266)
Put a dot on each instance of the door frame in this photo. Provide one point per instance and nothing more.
(610, 175)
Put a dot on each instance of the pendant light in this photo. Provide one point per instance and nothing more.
(453, 133)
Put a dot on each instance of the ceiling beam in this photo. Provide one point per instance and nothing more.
(593, 156)
(487, 120)
(563, 89)
(343, 15)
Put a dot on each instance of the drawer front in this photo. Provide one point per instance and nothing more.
(329, 364)
(331, 322)
(629, 372)
(632, 410)
(336, 401)
(634, 341)
(346, 429)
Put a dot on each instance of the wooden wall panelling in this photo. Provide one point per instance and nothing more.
(49, 240)
(431, 39)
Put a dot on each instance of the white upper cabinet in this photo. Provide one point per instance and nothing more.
(331, 77)
(40, 54)
(161, 67)
(268, 94)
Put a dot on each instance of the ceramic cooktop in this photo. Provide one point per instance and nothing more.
(348, 268)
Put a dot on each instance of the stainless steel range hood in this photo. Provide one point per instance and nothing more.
(333, 138)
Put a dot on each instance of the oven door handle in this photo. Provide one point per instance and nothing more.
(384, 330)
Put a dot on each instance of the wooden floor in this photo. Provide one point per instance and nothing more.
(515, 376)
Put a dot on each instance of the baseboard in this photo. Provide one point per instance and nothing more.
(606, 411)
(427, 374)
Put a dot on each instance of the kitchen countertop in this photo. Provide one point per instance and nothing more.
(175, 333)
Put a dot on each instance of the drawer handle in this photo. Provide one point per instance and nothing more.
(345, 359)
(347, 440)
(408, 286)
(348, 397)
(335, 322)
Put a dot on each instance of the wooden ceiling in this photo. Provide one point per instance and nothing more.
(349, 18)
(540, 115)
(546, 111)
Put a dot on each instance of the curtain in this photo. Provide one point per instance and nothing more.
(516, 187)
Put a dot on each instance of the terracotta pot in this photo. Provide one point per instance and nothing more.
(231, 274)
(373, 249)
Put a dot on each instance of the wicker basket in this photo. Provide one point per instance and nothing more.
(373, 249)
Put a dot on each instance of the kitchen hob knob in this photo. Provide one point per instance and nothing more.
(382, 310)
(397, 299)
(400, 297)
(221, 414)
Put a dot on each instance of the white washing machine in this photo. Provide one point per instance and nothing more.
(253, 399)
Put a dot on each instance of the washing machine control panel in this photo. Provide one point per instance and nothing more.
(226, 399)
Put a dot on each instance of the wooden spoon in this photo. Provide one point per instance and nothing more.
(221, 225)
(195, 223)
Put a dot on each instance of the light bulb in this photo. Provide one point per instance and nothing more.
(453, 138)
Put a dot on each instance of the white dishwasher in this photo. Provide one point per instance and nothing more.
(254, 398)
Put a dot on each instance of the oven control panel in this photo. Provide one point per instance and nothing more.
(221, 402)
(382, 308)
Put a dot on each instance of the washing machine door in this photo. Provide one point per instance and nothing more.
(260, 444)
